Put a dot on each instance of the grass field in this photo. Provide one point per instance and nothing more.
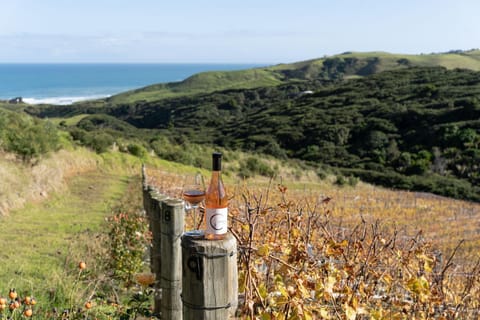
(45, 237)
(201, 83)
(41, 241)
(69, 121)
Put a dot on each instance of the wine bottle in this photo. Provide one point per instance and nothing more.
(216, 203)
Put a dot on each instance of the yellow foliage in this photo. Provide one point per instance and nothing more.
(263, 251)
(358, 255)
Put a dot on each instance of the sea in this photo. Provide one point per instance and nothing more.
(68, 83)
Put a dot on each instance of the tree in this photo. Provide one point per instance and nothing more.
(376, 140)
(439, 162)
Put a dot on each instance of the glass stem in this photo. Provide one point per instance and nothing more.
(194, 216)
(200, 221)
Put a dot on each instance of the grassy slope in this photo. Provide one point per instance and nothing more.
(43, 239)
(202, 83)
(32, 183)
(70, 121)
(260, 77)
(36, 239)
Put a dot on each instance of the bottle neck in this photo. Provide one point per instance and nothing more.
(216, 193)
(216, 174)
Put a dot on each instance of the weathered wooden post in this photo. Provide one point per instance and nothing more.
(210, 278)
(157, 200)
(172, 225)
(147, 201)
(148, 206)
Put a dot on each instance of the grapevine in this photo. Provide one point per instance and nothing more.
(324, 254)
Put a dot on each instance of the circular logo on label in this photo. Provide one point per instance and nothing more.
(216, 223)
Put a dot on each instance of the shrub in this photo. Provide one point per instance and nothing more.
(128, 237)
(27, 137)
(253, 166)
(137, 150)
(341, 181)
(100, 142)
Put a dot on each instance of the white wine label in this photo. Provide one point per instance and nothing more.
(217, 220)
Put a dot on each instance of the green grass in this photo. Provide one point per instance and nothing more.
(69, 121)
(42, 242)
(204, 82)
(36, 239)
(467, 60)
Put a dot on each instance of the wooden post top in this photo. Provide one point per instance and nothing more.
(210, 277)
(193, 240)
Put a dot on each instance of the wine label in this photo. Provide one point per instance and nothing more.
(217, 220)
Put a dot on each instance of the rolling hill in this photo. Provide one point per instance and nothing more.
(376, 116)
(350, 64)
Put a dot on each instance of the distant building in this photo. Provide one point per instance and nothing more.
(16, 100)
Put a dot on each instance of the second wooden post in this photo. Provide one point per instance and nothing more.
(172, 225)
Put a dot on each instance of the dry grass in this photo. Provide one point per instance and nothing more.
(23, 183)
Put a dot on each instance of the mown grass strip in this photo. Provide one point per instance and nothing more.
(36, 240)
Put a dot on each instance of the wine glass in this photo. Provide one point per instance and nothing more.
(193, 193)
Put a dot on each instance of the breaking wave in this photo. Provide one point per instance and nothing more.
(62, 100)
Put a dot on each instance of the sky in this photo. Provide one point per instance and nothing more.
(229, 31)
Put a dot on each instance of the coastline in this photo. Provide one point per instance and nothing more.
(65, 84)
(63, 101)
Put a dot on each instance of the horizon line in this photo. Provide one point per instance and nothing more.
(133, 62)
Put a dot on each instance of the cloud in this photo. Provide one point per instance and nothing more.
(40, 47)
(235, 45)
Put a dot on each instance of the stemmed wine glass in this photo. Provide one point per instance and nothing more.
(194, 193)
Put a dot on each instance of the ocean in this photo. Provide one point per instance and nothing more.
(68, 83)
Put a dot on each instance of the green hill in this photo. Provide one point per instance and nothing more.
(340, 66)
(201, 83)
(413, 128)
(404, 121)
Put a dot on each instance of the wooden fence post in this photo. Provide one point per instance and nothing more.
(210, 278)
(172, 225)
(148, 205)
(157, 200)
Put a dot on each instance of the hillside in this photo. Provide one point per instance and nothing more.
(201, 83)
(412, 128)
(403, 121)
(340, 66)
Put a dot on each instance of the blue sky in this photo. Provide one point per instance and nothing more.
(229, 31)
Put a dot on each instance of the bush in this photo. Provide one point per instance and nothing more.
(321, 174)
(137, 150)
(27, 137)
(128, 237)
(340, 181)
(353, 181)
(253, 166)
(100, 142)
